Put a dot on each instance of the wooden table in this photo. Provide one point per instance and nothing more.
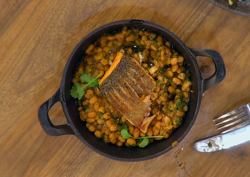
(36, 39)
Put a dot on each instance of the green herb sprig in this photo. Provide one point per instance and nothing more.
(144, 140)
(78, 90)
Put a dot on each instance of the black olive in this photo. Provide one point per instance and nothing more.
(151, 64)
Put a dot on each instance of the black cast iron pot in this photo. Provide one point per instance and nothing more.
(76, 127)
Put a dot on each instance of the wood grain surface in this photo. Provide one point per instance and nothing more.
(36, 39)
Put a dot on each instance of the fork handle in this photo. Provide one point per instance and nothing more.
(220, 71)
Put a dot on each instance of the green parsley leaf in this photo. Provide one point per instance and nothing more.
(144, 140)
(144, 143)
(209, 144)
(77, 91)
(90, 80)
(125, 134)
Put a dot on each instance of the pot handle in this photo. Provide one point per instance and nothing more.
(47, 125)
(220, 71)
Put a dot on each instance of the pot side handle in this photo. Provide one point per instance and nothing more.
(220, 71)
(47, 125)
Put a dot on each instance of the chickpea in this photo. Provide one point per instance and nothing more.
(112, 56)
(180, 59)
(171, 89)
(108, 123)
(112, 138)
(182, 76)
(144, 38)
(121, 139)
(104, 62)
(159, 117)
(90, 48)
(96, 106)
(168, 52)
(89, 93)
(101, 109)
(150, 132)
(177, 81)
(119, 36)
(166, 135)
(169, 74)
(131, 129)
(98, 49)
(168, 127)
(160, 78)
(159, 40)
(90, 120)
(124, 30)
(131, 142)
(162, 99)
(158, 125)
(93, 100)
(153, 47)
(130, 38)
(112, 128)
(166, 120)
(119, 143)
(99, 56)
(175, 68)
(110, 37)
(174, 61)
(152, 35)
(142, 134)
(103, 40)
(92, 114)
(100, 121)
(146, 33)
(136, 132)
(98, 134)
(106, 115)
(136, 56)
(156, 132)
(91, 128)
(186, 85)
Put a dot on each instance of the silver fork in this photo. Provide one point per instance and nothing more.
(233, 120)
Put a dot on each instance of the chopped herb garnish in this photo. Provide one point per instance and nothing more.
(78, 90)
(209, 144)
(180, 105)
(100, 114)
(179, 122)
(144, 140)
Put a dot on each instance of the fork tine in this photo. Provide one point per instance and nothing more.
(242, 119)
(230, 113)
(237, 126)
(231, 118)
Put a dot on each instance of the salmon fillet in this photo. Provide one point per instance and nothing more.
(124, 84)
